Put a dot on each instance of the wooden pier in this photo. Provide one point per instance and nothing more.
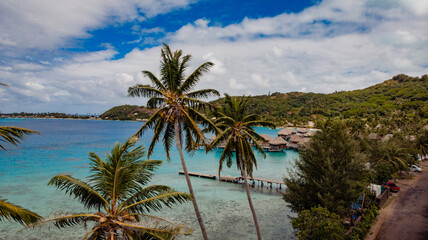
(201, 175)
(261, 182)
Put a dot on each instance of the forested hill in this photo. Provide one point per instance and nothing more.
(127, 112)
(401, 95)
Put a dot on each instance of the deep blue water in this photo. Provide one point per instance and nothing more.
(63, 147)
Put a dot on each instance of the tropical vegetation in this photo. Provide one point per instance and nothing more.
(118, 195)
(400, 97)
(10, 211)
(318, 223)
(330, 172)
(239, 136)
(127, 112)
(177, 116)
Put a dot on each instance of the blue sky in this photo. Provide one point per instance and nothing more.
(81, 56)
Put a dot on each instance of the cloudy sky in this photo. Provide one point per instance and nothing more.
(80, 56)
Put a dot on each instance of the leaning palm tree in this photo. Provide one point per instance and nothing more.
(239, 135)
(9, 211)
(116, 193)
(177, 115)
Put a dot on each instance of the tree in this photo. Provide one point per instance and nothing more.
(178, 105)
(13, 135)
(239, 136)
(9, 211)
(117, 186)
(329, 173)
(318, 224)
(422, 143)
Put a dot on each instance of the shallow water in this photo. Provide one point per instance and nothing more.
(62, 148)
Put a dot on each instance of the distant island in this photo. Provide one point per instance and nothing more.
(400, 96)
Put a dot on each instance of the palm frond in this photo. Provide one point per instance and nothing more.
(9, 211)
(78, 189)
(157, 230)
(156, 102)
(141, 90)
(144, 193)
(157, 84)
(167, 198)
(13, 135)
(4, 85)
(151, 122)
(61, 220)
(194, 77)
(204, 93)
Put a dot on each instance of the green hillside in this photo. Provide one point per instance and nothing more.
(127, 112)
(401, 95)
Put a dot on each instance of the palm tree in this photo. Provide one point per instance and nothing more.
(13, 135)
(178, 107)
(9, 211)
(239, 135)
(117, 186)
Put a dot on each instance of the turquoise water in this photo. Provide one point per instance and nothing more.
(63, 146)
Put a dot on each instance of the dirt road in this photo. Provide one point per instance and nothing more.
(407, 216)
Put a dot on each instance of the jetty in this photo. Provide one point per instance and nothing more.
(201, 175)
(259, 182)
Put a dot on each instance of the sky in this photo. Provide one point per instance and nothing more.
(81, 56)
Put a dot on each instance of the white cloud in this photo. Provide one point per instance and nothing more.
(46, 24)
(333, 46)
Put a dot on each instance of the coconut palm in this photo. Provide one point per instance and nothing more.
(13, 135)
(9, 211)
(239, 136)
(177, 115)
(117, 193)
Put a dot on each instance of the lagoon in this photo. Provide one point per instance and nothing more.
(63, 146)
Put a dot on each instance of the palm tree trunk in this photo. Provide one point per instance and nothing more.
(189, 184)
(247, 188)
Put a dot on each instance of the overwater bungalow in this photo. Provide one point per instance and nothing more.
(302, 130)
(295, 140)
(277, 144)
(267, 138)
(309, 134)
(286, 133)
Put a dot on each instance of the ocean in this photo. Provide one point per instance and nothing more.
(63, 146)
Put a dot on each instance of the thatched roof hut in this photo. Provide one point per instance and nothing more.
(286, 132)
(288, 124)
(278, 141)
(303, 130)
(309, 134)
(374, 136)
(386, 137)
(296, 138)
(277, 144)
(266, 137)
(304, 141)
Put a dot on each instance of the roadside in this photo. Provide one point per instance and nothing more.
(405, 215)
